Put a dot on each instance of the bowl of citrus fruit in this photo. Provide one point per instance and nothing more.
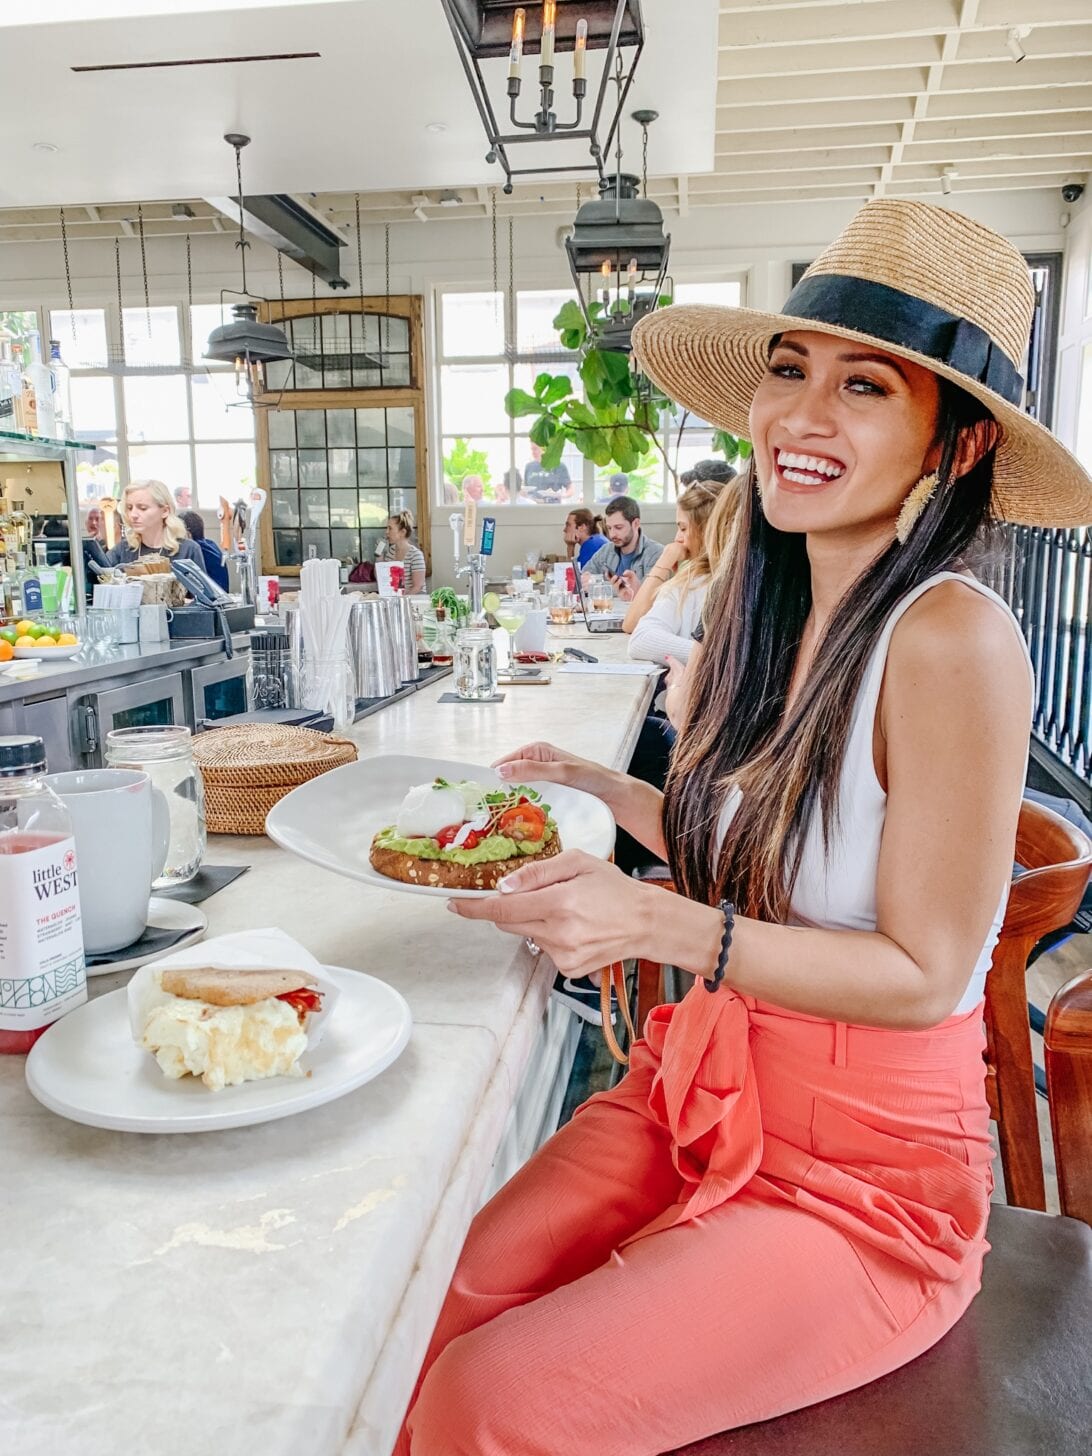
(46, 639)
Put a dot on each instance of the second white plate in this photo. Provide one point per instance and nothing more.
(332, 819)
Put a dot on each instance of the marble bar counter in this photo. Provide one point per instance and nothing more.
(270, 1291)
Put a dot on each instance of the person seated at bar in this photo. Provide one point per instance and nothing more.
(629, 554)
(215, 565)
(583, 536)
(151, 527)
(667, 608)
(786, 1196)
(402, 547)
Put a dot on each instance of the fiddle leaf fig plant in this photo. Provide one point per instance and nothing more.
(620, 420)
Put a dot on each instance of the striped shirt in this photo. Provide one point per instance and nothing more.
(413, 561)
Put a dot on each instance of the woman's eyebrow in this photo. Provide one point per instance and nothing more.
(857, 358)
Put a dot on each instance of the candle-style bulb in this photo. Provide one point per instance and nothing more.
(580, 50)
(549, 18)
(515, 55)
(631, 272)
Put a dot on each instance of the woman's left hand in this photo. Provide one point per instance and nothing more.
(582, 911)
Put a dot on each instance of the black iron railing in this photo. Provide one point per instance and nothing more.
(1046, 577)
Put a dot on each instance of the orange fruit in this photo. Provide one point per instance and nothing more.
(7, 651)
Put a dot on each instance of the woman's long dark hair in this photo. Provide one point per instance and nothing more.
(734, 734)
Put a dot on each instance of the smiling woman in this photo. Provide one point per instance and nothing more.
(787, 1195)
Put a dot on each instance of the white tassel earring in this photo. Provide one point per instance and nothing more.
(913, 506)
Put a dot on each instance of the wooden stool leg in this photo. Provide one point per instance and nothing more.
(1014, 1084)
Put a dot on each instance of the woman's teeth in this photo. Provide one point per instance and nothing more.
(808, 469)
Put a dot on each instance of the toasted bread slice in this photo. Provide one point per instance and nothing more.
(231, 988)
(447, 875)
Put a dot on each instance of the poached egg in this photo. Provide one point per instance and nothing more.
(427, 809)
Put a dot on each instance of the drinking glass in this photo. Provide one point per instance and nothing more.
(560, 605)
(165, 754)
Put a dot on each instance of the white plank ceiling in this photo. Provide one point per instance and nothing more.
(815, 101)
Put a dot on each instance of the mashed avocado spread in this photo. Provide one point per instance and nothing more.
(496, 847)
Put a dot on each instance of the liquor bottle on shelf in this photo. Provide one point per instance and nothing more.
(62, 392)
(10, 384)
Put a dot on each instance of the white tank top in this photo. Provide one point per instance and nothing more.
(836, 888)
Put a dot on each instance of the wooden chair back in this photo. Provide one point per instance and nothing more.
(1055, 859)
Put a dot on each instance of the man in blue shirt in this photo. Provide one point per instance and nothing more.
(630, 555)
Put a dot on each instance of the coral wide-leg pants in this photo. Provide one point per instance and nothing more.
(769, 1210)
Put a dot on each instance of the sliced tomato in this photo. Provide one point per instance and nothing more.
(522, 822)
(446, 836)
(303, 1002)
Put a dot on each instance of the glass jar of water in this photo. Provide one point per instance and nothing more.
(165, 754)
(475, 662)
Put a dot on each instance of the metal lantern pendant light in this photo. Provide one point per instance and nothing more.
(245, 342)
(618, 255)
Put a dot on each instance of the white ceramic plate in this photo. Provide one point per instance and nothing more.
(163, 914)
(332, 819)
(49, 654)
(88, 1068)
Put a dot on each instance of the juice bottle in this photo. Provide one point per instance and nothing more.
(41, 939)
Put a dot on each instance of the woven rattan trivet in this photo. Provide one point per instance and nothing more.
(249, 768)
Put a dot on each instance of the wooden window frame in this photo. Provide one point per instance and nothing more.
(409, 306)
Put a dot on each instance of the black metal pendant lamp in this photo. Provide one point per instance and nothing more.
(245, 342)
(490, 29)
(618, 254)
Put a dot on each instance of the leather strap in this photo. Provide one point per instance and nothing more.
(615, 975)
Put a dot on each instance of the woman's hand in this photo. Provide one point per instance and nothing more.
(671, 557)
(544, 762)
(583, 912)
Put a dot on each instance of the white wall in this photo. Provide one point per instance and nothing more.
(1075, 335)
(757, 243)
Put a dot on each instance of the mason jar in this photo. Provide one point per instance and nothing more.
(165, 754)
(475, 663)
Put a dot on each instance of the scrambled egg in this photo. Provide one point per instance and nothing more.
(225, 1045)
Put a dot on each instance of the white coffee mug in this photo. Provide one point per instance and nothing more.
(531, 634)
(122, 828)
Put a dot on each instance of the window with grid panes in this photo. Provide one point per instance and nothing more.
(155, 408)
(478, 438)
(344, 444)
(483, 452)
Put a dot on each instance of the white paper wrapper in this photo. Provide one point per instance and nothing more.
(245, 950)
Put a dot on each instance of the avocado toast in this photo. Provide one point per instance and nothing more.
(464, 836)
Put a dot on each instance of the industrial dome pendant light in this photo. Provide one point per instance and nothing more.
(245, 342)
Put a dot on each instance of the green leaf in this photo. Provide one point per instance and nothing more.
(518, 402)
(592, 371)
(569, 316)
(551, 455)
(622, 448)
(616, 366)
(559, 387)
(542, 383)
(746, 450)
(543, 430)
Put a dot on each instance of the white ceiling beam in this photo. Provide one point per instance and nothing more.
(765, 25)
(682, 187)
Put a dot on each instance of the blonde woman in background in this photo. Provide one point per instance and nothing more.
(151, 527)
(402, 547)
(667, 609)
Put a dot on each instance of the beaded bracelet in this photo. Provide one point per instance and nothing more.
(728, 910)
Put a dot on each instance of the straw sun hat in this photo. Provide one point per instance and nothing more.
(921, 282)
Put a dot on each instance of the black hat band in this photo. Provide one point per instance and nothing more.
(908, 323)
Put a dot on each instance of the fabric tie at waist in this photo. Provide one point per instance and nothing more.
(885, 1142)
